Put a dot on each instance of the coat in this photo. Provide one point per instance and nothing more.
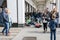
(52, 25)
(5, 17)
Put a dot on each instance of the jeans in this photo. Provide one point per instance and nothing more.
(53, 34)
(38, 20)
(6, 28)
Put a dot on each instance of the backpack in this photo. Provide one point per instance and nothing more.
(52, 25)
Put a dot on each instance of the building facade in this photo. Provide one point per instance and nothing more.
(18, 8)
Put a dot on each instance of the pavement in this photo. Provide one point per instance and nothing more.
(35, 34)
(28, 33)
(13, 32)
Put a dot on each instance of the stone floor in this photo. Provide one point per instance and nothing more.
(28, 33)
(35, 32)
(12, 34)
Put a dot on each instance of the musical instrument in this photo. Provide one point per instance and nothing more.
(54, 15)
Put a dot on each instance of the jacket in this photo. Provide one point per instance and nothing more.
(5, 17)
(52, 25)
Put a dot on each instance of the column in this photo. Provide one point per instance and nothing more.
(11, 5)
(21, 12)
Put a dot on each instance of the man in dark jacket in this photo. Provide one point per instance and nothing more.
(53, 23)
(6, 21)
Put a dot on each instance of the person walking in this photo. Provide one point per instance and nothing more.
(52, 25)
(6, 22)
(45, 20)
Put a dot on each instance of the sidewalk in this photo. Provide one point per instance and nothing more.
(35, 33)
(13, 33)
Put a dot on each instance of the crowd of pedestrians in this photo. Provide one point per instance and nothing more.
(32, 18)
(49, 19)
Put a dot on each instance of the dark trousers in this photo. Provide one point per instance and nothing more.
(45, 26)
(53, 34)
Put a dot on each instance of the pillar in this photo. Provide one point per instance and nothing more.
(21, 13)
(12, 6)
